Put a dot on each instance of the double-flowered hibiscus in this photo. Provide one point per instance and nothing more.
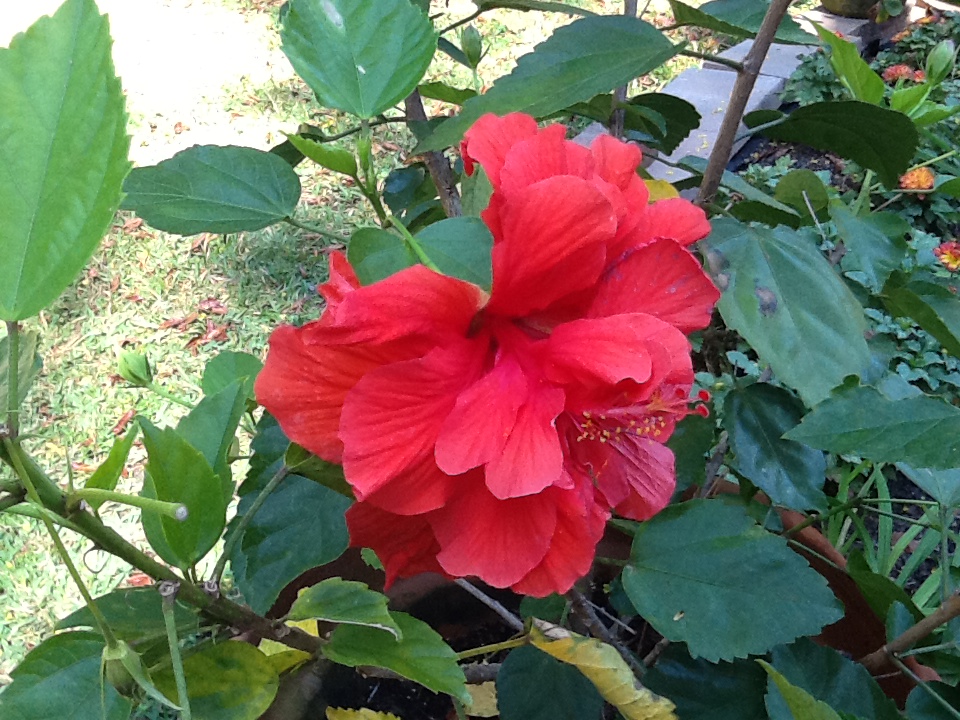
(491, 435)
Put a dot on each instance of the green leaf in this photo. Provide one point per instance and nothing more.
(421, 655)
(922, 706)
(531, 685)
(737, 184)
(790, 473)
(874, 242)
(332, 158)
(60, 678)
(740, 18)
(541, 5)
(802, 190)
(178, 472)
(709, 691)
(929, 301)
(359, 57)
(681, 117)
(829, 677)
(550, 608)
(590, 56)
(29, 365)
(344, 601)
(852, 70)
(64, 154)
(880, 592)
(861, 421)
(942, 485)
(133, 614)
(950, 187)
(108, 474)
(476, 191)
(211, 427)
(229, 367)
(460, 247)
(690, 442)
(227, 681)
(785, 299)
(878, 139)
(376, 254)
(446, 93)
(700, 560)
(802, 705)
(207, 188)
(304, 464)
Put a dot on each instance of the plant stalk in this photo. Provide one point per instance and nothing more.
(168, 595)
(13, 379)
(436, 162)
(412, 243)
(177, 511)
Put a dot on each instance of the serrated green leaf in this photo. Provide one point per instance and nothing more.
(420, 655)
(874, 242)
(790, 473)
(919, 431)
(211, 427)
(460, 247)
(531, 685)
(785, 299)
(702, 559)
(332, 158)
(344, 601)
(64, 154)
(229, 367)
(304, 464)
(680, 116)
(108, 474)
(878, 139)
(476, 191)
(208, 188)
(376, 254)
(359, 57)
(29, 365)
(178, 472)
(928, 300)
(942, 485)
(804, 192)
(923, 706)
(690, 441)
(133, 614)
(852, 70)
(801, 704)
(226, 681)
(588, 57)
(740, 18)
(60, 678)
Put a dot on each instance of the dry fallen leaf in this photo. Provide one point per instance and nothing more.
(124, 420)
(363, 714)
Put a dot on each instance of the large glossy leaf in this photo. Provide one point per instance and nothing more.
(801, 705)
(874, 242)
(740, 18)
(61, 679)
(325, 155)
(790, 473)
(701, 560)
(460, 247)
(531, 685)
(862, 421)
(829, 677)
(852, 70)
(709, 691)
(208, 188)
(690, 442)
(784, 298)
(359, 57)
(108, 474)
(929, 301)
(344, 601)
(211, 427)
(133, 614)
(226, 681)
(588, 57)
(420, 655)
(376, 254)
(63, 154)
(229, 367)
(878, 139)
(177, 472)
(28, 366)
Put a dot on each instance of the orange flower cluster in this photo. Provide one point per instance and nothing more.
(902, 35)
(903, 72)
(948, 254)
(921, 178)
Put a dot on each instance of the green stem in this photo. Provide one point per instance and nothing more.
(738, 66)
(369, 184)
(412, 243)
(310, 228)
(864, 197)
(96, 496)
(153, 387)
(245, 522)
(928, 649)
(936, 159)
(813, 519)
(945, 589)
(10, 501)
(897, 516)
(168, 593)
(495, 647)
(952, 711)
(461, 22)
(13, 380)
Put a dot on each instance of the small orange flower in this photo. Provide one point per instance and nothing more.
(948, 254)
(919, 76)
(902, 35)
(921, 178)
(898, 72)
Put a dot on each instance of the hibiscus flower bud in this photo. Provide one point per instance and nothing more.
(940, 62)
(472, 45)
(135, 369)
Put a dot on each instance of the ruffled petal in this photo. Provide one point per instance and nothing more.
(392, 417)
(498, 541)
(532, 458)
(581, 521)
(554, 243)
(617, 162)
(343, 280)
(545, 155)
(674, 219)
(660, 279)
(417, 489)
(490, 139)
(405, 544)
(601, 350)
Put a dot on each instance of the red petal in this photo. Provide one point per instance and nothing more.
(673, 218)
(554, 243)
(485, 414)
(418, 489)
(660, 279)
(546, 155)
(636, 475)
(617, 163)
(532, 458)
(491, 138)
(405, 544)
(580, 526)
(605, 350)
(342, 280)
(392, 417)
(499, 541)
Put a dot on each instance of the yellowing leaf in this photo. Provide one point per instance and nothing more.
(362, 714)
(660, 190)
(286, 659)
(484, 700)
(602, 665)
(308, 626)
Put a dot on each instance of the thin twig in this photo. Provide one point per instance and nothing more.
(437, 165)
(926, 687)
(710, 57)
(713, 466)
(583, 610)
(914, 634)
(620, 94)
(508, 617)
(652, 656)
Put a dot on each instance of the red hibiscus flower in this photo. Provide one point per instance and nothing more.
(491, 435)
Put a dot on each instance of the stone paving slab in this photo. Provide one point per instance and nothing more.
(851, 28)
(780, 62)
